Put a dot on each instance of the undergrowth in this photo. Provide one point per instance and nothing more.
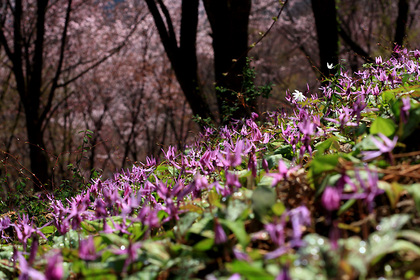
(329, 191)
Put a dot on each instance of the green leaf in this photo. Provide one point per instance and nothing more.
(414, 191)
(48, 230)
(366, 144)
(160, 168)
(114, 239)
(250, 271)
(384, 126)
(273, 160)
(403, 245)
(6, 251)
(201, 225)
(412, 123)
(214, 198)
(278, 208)
(284, 150)
(98, 274)
(388, 96)
(68, 240)
(235, 209)
(379, 246)
(330, 143)
(323, 163)
(88, 227)
(185, 222)
(303, 273)
(346, 206)
(137, 230)
(393, 191)
(192, 208)
(204, 245)
(266, 181)
(162, 215)
(238, 228)
(157, 250)
(412, 235)
(263, 198)
(394, 222)
(174, 171)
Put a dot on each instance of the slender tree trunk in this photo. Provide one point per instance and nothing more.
(229, 23)
(183, 58)
(325, 15)
(400, 30)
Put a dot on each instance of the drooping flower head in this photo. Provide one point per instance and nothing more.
(331, 198)
(87, 250)
(385, 147)
(219, 233)
(54, 269)
(405, 109)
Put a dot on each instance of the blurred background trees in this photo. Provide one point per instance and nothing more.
(100, 85)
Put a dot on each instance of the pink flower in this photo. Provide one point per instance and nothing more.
(281, 175)
(219, 234)
(235, 276)
(299, 217)
(87, 250)
(331, 198)
(385, 147)
(4, 224)
(54, 270)
(241, 255)
(130, 251)
(405, 109)
(25, 228)
(284, 274)
(232, 180)
(26, 271)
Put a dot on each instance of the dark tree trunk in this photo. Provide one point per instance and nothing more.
(29, 87)
(325, 15)
(26, 54)
(400, 30)
(183, 58)
(38, 157)
(28, 72)
(37, 153)
(229, 23)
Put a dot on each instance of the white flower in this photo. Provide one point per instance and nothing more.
(298, 96)
(330, 66)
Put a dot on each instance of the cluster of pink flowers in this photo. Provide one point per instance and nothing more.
(139, 194)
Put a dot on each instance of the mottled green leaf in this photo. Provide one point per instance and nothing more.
(384, 126)
(263, 198)
(185, 222)
(414, 191)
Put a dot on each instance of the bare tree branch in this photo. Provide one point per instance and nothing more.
(53, 88)
(354, 46)
(104, 58)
